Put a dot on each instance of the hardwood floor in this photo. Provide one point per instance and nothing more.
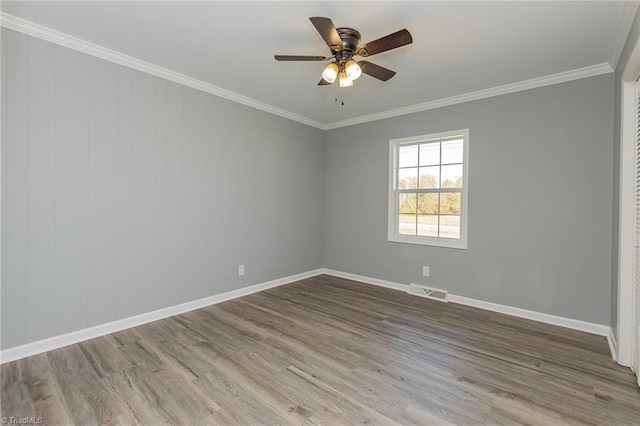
(328, 351)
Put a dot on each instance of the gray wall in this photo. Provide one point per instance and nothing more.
(125, 193)
(622, 63)
(540, 201)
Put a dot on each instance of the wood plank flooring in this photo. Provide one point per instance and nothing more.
(328, 351)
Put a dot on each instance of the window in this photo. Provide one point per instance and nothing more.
(428, 189)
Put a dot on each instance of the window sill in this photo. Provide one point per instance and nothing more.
(427, 241)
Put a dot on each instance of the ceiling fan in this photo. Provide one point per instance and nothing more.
(345, 44)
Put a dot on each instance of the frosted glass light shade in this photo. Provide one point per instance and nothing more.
(345, 81)
(353, 69)
(330, 72)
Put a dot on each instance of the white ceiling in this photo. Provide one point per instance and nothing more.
(459, 47)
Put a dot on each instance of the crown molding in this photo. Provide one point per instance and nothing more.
(66, 40)
(548, 80)
(627, 14)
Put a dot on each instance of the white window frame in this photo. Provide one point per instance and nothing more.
(392, 225)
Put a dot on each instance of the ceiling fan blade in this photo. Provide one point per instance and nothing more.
(324, 82)
(298, 58)
(381, 73)
(391, 41)
(328, 32)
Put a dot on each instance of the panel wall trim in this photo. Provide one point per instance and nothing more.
(56, 342)
(588, 327)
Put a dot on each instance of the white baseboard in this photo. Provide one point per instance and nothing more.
(599, 329)
(588, 327)
(366, 280)
(613, 344)
(56, 342)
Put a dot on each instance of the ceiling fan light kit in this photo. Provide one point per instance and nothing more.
(352, 69)
(345, 44)
(345, 81)
(331, 72)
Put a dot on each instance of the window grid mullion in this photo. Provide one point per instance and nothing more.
(428, 190)
(439, 183)
(414, 193)
(417, 191)
(416, 214)
(417, 187)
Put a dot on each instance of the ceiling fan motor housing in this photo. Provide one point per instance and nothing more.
(350, 40)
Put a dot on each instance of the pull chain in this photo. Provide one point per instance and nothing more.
(335, 99)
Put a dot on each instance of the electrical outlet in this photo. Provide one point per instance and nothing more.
(240, 270)
(425, 271)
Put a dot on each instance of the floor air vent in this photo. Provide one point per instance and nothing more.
(429, 293)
